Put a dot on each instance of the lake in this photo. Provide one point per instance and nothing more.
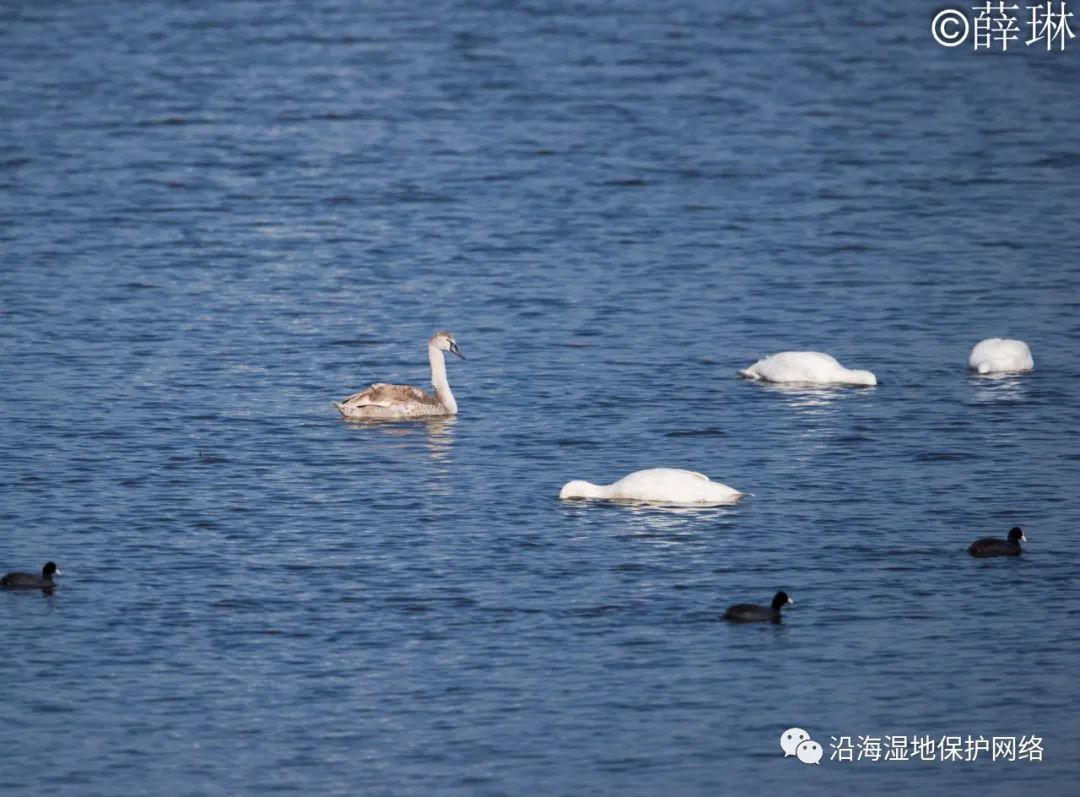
(218, 217)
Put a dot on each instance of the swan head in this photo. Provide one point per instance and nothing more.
(581, 489)
(444, 341)
(862, 378)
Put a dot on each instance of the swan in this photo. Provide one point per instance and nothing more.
(657, 485)
(997, 355)
(808, 368)
(402, 402)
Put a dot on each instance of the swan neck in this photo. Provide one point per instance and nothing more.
(590, 490)
(438, 379)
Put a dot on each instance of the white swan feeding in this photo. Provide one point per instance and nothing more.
(997, 355)
(806, 368)
(402, 402)
(657, 486)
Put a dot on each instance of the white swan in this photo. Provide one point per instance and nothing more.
(402, 402)
(659, 486)
(808, 368)
(997, 355)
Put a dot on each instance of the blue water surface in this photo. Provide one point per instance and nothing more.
(218, 217)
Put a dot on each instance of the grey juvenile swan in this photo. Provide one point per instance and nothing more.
(402, 402)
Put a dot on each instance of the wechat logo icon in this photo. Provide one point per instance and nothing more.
(797, 742)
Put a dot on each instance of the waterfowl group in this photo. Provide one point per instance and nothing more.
(384, 402)
(668, 486)
(674, 486)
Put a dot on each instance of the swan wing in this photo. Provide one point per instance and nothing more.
(384, 395)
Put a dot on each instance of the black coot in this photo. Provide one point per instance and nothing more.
(753, 613)
(995, 546)
(29, 580)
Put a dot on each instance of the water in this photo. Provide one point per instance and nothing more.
(219, 217)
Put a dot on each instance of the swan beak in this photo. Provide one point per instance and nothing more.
(455, 350)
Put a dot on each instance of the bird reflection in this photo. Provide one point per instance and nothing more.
(814, 400)
(674, 525)
(992, 388)
(439, 432)
(808, 400)
(656, 523)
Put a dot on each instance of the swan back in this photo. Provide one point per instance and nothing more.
(1000, 355)
(659, 486)
(807, 367)
(673, 485)
(383, 402)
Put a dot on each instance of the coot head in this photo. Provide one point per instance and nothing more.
(1016, 535)
(780, 599)
(50, 569)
